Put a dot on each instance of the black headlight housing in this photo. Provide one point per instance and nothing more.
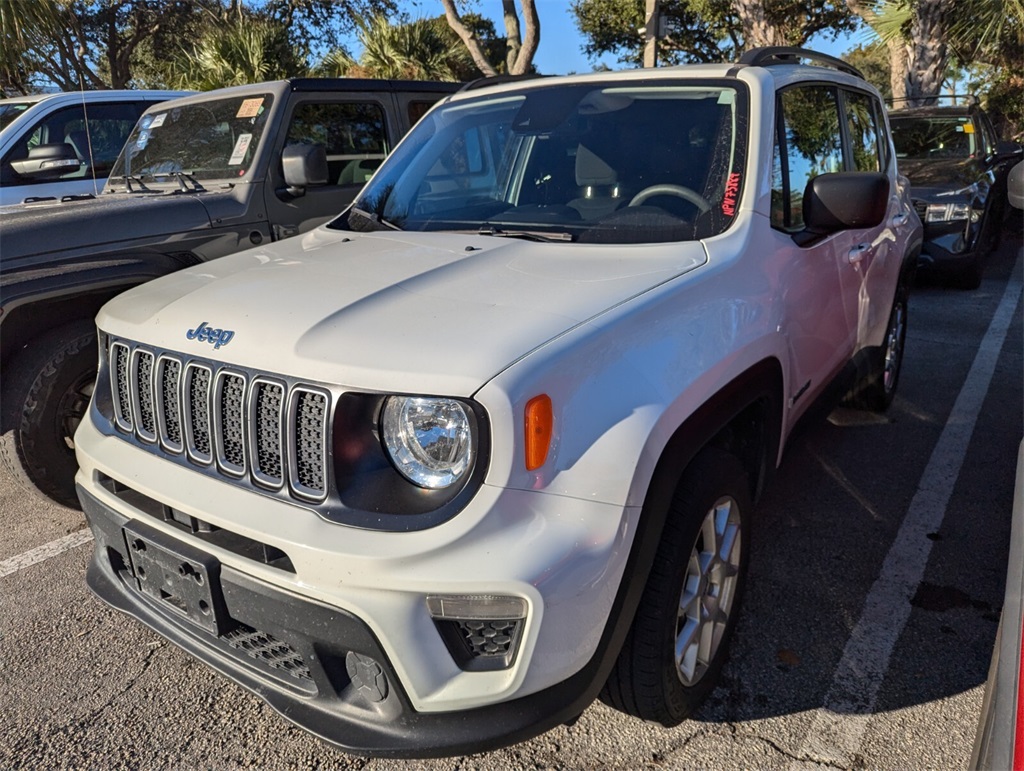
(368, 478)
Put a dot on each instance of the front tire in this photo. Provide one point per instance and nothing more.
(675, 650)
(46, 392)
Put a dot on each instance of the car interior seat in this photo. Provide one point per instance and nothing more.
(598, 183)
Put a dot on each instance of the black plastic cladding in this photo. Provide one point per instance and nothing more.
(361, 488)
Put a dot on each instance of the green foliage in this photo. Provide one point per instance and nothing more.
(249, 50)
(72, 44)
(873, 61)
(699, 30)
(423, 49)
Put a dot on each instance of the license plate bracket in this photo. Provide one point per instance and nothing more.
(181, 578)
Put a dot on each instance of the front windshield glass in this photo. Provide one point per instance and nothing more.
(934, 138)
(216, 139)
(9, 110)
(602, 163)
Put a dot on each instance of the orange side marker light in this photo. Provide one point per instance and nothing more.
(539, 427)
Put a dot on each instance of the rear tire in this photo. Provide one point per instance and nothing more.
(877, 387)
(675, 650)
(46, 392)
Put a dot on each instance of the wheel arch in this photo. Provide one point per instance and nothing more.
(745, 418)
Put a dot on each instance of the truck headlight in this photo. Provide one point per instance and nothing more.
(946, 212)
(428, 439)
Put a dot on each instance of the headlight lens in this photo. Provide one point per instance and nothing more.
(428, 439)
(944, 212)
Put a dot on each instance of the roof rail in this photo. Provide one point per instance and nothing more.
(935, 100)
(494, 80)
(768, 55)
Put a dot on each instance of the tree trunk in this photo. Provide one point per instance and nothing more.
(513, 39)
(928, 54)
(758, 29)
(468, 38)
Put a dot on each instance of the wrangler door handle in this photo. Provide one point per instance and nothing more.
(901, 219)
(857, 253)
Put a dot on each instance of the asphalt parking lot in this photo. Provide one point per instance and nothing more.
(875, 589)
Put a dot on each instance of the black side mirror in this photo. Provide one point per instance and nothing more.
(48, 161)
(1006, 151)
(843, 201)
(304, 166)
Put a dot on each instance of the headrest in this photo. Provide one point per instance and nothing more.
(79, 140)
(591, 170)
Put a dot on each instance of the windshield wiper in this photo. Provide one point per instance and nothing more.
(181, 176)
(374, 218)
(527, 235)
(128, 179)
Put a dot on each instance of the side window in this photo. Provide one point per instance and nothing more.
(862, 126)
(417, 109)
(808, 143)
(108, 129)
(354, 136)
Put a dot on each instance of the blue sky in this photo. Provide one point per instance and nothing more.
(561, 44)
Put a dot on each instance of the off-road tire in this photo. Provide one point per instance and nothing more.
(46, 390)
(645, 681)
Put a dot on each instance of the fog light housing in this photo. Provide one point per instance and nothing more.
(482, 632)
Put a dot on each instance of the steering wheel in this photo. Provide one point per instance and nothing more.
(677, 190)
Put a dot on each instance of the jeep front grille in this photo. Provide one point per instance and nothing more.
(232, 422)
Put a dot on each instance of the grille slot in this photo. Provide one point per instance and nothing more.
(142, 384)
(230, 412)
(120, 356)
(266, 421)
(197, 412)
(168, 379)
(270, 651)
(309, 449)
(236, 423)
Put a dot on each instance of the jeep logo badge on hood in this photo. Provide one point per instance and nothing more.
(215, 337)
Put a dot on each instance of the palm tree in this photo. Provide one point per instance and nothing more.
(248, 50)
(424, 49)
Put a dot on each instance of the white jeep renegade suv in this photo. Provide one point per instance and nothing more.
(431, 478)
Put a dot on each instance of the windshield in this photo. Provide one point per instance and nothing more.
(217, 139)
(934, 138)
(9, 110)
(608, 163)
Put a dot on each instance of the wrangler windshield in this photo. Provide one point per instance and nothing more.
(216, 139)
(599, 163)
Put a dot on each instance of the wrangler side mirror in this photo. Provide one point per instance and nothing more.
(304, 166)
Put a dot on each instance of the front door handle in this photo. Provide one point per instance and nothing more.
(857, 253)
(901, 219)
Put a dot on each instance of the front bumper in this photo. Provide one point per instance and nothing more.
(358, 661)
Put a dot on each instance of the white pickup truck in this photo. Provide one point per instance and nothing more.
(432, 477)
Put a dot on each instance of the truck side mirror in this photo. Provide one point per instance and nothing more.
(304, 166)
(48, 161)
(842, 201)
(1008, 150)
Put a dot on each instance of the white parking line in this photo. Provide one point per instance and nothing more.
(838, 728)
(44, 552)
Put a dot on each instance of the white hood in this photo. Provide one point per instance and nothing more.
(391, 312)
